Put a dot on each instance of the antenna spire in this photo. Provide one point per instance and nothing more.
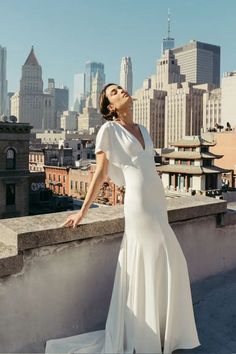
(168, 23)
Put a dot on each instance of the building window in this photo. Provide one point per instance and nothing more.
(59, 178)
(11, 159)
(10, 194)
(64, 178)
(71, 184)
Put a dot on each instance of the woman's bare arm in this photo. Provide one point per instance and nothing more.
(97, 180)
(99, 176)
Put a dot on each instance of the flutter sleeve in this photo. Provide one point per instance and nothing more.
(104, 142)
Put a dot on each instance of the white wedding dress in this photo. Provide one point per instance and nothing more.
(151, 304)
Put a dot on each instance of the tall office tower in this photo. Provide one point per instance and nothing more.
(199, 62)
(183, 111)
(228, 87)
(3, 81)
(168, 71)
(30, 104)
(91, 69)
(149, 110)
(167, 42)
(60, 101)
(211, 109)
(126, 74)
(79, 91)
(97, 85)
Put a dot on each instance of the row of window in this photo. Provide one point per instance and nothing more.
(52, 177)
(184, 162)
(82, 185)
(36, 158)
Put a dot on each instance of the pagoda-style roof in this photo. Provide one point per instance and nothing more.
(194, 141)
(189, 169)
(191, 155)
(32, 60)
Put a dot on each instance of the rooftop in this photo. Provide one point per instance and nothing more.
(193, 155)
(197, 170)
(60, 280)
(194, 140)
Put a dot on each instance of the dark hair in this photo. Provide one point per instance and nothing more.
(103, 104)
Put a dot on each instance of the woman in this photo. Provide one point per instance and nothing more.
(151, 306)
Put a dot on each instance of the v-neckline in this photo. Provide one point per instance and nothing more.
(139, 126)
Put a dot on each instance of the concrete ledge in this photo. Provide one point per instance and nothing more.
(42, 230)
(229, 217)
(29, 232)
(185, 208)
(10, 261)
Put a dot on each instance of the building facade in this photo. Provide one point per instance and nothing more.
(199, 62)
(168, 71)
(211, 109)
(69, 120)
(30, 104)
(14, 169)
(91, 69)
(183, 111)
(149, 110)
(225, 145)
(97, 86)
(57, 179)
(228, 87)
(90, 118)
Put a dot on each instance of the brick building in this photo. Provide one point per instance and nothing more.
(57, 179)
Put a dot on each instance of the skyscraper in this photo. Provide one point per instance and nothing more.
(168, 71)
(97, 85)
(3, 81)
(30, 104)
(79, 88)
(199, 62)
(126, 74)
(91, 69)
(167, 42)
(60, 102)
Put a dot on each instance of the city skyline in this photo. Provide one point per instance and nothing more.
(123, 33)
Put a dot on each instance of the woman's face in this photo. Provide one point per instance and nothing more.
(118, 97)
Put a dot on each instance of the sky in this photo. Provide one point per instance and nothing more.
(67, 33)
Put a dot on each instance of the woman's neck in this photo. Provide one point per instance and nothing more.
(126, 117)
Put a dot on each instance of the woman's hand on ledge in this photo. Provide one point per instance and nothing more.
(73, 220)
